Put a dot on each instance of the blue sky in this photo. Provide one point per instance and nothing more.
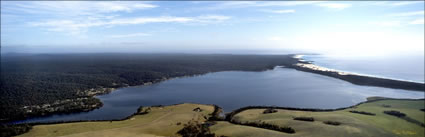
(369, 28)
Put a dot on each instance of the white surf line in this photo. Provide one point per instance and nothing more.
(340, 72)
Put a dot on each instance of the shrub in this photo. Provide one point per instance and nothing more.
(404, 117)
(264, 125)
(195, 129)
(143, 110)
(363, 112)
(309, 119)
(386, 106)
(269, 110)
(215, 116)
(334, 123)
(13, 130)
(395, 113)
(197, 109)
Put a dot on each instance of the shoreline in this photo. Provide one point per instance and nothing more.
(92, 93)
(215, 116)
(300, 58)
(230, 115)
(301, 65)
(214, 122)
(356, 79)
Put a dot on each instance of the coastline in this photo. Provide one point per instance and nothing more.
(357, 79)
(215, 117)
(300, 58)
(45, 110)
(230, 115)
(91, 94)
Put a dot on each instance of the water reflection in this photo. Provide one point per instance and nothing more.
(234, 89)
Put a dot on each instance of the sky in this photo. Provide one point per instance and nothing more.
(326, 27)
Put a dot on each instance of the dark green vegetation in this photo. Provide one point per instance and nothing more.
(366, 80)
(395, 113)
(334, 123)
(215, 116)
(49, 83)
(265, 125)
(362, 112)
(330, 123)
(181, 120)
(386, 106)
(195, 129)
(13, 130)
(146, 122)
(309, 119)
(269, 110)
(404, 116)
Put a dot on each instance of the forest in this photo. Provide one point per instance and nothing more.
(62, 79)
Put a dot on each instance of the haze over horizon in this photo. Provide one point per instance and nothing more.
(340, 28)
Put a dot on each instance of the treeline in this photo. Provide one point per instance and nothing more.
(333, 123)
(13, 130)
(367, 80)
(229, 116)
(362, 112)
(285, 129)
(269, 110)
(45, 78)
(215, 116)
(309, 119)
(195, 129)
(404, 116)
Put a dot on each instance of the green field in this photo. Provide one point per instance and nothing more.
(352, 124)
(168, 120)
(160, 121)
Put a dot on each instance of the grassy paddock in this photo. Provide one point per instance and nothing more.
(349, 124)
(160, 121)
(168, 120)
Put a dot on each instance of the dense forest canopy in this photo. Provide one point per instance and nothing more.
(34, 79)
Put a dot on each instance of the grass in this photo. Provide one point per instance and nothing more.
(351, 124)
(168, 120)
(160, 121)
(393, 124)
(228, 129)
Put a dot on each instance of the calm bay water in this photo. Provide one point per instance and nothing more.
(410, 68)
(234, 89)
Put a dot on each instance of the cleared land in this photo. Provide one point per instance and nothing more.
(352, 124)
(168, 120)
(160, 121)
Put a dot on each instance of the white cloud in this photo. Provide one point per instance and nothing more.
(72, 17)
(144, 20)
(129, 35)
(278, 11)
(359, 42)
(212, 18)
(78, 26)
(397, 23)
(248, 4)
(76, 17)
(386, 23)
(404, 14)
(417, 21)
(287, 3)
(256, 4)
(402, 3)
(395, 3)
(337, 6)
(72, 8)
